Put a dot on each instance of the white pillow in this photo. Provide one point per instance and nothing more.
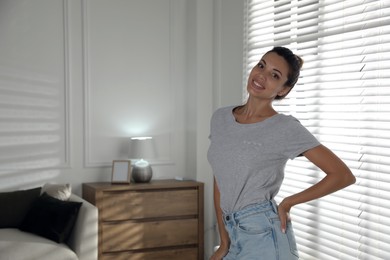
(58, 191)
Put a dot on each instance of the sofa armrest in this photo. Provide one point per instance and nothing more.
(84, 238)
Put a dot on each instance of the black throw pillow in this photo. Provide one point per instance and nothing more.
(14, 206)
(51, 218)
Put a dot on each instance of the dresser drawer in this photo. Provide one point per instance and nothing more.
(124, 236)
(148, 204)
(173, 254)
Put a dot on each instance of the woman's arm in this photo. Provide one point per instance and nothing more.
(224, 236)
(338, 176)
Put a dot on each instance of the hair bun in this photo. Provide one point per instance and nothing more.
(300, 61)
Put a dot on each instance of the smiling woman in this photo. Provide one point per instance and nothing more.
(343, 98)
(282, 66)
(267, 78)
(250, 146)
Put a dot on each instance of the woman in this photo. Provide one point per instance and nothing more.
(249, 148)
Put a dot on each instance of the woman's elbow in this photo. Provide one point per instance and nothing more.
(348, 178)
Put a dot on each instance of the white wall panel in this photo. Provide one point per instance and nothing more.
(33, 88)
(130, 84)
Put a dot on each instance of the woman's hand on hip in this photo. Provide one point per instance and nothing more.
(284, 215)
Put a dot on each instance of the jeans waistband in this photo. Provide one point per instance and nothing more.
(252, 209)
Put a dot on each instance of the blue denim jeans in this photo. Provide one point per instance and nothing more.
(255, 234)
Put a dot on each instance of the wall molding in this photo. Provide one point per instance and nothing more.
(67, 135)
(86, 71)
(86, 85)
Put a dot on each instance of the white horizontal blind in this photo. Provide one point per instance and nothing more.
(343, 98)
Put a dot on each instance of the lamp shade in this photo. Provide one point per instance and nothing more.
(142, 148)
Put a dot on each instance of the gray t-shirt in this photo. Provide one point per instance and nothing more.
(248, 160)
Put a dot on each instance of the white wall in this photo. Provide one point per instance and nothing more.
(79, 77)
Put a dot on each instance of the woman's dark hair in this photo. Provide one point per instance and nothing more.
(295, 64)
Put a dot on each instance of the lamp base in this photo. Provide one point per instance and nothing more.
(142, 174)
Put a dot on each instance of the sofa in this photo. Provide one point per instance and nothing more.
(37, 224)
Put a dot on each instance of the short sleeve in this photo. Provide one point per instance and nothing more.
(297, 139)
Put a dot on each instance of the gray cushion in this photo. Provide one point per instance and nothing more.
(14, 206)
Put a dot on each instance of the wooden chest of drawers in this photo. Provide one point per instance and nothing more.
(160, 220)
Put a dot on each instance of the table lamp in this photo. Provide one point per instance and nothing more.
(141, 149)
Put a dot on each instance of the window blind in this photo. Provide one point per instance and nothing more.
(343, 98)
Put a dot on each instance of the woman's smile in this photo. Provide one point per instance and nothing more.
(257, 86)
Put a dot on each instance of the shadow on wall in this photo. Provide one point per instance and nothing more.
(32, 129)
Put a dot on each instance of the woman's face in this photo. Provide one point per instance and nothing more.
(268, 77)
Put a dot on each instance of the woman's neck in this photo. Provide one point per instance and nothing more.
(253, 113)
